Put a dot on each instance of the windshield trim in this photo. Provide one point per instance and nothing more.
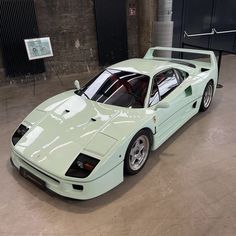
(134, 94)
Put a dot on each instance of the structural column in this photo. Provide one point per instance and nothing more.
(147, 10)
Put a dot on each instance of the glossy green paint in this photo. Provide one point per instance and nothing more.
(56, 136)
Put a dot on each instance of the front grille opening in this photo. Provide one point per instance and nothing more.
(78, 187)
(41, 172)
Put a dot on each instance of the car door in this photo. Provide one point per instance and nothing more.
(170, 86)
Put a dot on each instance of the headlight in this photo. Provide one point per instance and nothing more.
(19, 134)
(82, 166)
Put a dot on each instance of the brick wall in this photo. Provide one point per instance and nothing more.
(71, 26)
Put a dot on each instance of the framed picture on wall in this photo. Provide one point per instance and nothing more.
(38, 48)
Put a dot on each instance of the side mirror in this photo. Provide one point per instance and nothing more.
(77, 84)
(162, 104)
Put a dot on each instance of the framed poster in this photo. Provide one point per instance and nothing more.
(38, 48)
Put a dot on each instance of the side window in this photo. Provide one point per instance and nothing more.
(181, 74)
(163, 84)
(154, 96)
(167, 83)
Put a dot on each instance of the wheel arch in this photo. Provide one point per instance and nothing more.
(211, 80)
(150, 134)
(127, 170)
(214, 85)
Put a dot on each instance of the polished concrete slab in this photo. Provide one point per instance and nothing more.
(188, 186)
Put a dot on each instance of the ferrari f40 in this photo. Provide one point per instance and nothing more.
(81, 143)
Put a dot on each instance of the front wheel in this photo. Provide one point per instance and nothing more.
(207, 97)
(137, 153)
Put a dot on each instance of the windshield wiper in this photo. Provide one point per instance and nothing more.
(109, 72)
(82, 92)
(127, 86)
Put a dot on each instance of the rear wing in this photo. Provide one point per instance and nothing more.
(211, 54)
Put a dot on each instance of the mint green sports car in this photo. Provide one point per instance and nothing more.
(82, 142)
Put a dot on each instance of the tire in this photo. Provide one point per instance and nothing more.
(137, 152)
(207, 96)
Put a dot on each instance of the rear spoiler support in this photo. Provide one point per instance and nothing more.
(211, 54)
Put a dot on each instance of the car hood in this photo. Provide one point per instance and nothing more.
(67, 124)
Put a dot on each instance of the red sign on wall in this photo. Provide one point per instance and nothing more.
(132, 10)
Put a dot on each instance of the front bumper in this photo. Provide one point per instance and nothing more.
(67, 188)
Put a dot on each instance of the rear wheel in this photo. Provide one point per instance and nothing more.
(207, 97)
(137, 152)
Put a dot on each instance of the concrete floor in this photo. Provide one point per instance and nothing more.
(188, 186)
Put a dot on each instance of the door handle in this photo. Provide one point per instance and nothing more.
(224, 31)
(200, 34)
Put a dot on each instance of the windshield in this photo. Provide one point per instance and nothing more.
(114, 87)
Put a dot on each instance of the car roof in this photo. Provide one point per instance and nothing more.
(148, 66)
